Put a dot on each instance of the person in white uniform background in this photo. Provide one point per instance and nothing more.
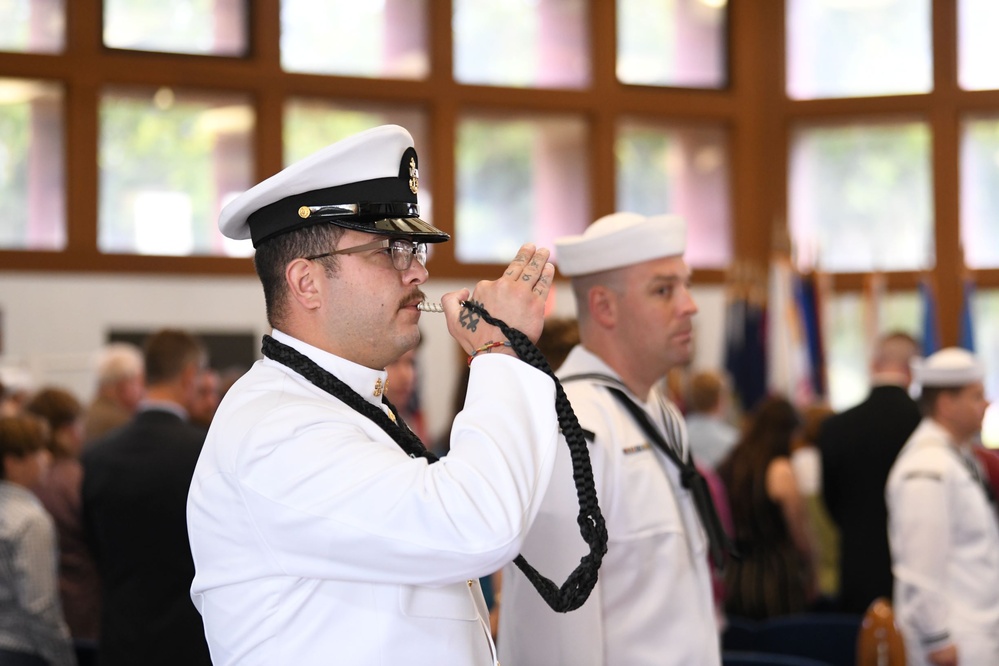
(653, 600)
(942, 523)
(320, 533)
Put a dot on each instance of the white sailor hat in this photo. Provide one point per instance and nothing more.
(367, 182)
(950, 367)
(618, 240)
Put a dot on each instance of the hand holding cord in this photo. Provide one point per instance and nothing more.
(580, 582)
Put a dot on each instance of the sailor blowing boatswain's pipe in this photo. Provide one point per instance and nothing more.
(321, 527)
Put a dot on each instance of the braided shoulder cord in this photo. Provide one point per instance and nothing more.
(580, 582)
(578, 585)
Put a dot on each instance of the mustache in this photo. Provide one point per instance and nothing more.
(416, 296)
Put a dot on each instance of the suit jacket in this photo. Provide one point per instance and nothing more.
(135, 488)
(858, 448)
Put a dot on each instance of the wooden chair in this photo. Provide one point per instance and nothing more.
(879, 642)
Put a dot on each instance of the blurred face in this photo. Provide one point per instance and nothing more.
(401, 378)
(28, 470)
(206, 396)
(129, 392)
(963, 411)
(655, 314)
(372, 317)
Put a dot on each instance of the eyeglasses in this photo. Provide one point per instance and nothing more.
(402, 251)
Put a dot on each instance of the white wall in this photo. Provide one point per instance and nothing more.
(53, 324)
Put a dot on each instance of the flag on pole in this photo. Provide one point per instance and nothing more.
(809, 305)
(788, 365)
(744, 342)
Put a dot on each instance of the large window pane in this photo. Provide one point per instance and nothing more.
(980, 191)
(860, 197)
(542, 43)
(203, 27)
(986, 325)
(32, 189)
(977, 46)
(858, 48)
(849, 335)
(169, 160)
(682, 170)
(380, 39)
(32, 26)
(519, 179)
(677, 43)
(312, 124)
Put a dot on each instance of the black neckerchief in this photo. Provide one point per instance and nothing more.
(721, 545)
(580, 582)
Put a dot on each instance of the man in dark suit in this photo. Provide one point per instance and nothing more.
(135, 488)
(858, 448)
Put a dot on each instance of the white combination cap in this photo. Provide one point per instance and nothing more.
(367, 182)
(618, 240)
(947, 368)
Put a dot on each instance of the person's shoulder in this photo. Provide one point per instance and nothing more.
(925, 456)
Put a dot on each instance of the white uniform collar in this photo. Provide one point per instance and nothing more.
(368, 383)
(581, 360)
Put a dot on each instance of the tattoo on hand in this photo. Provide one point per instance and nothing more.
(526, 278)
(469, 318)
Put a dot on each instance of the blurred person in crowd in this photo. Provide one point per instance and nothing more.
(60, 492)
(402, 391)
(807, 463)
(32, 629)
(942, 525)
(653, 600)
(774, 574)
(858, 447)
(207, 395)
(119, 390)
(135, 485)
(711, 435)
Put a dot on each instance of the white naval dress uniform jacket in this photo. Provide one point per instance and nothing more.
(318, 541)
(652, 603)
(944, 542)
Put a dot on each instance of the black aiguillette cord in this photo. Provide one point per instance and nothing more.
(577, 587)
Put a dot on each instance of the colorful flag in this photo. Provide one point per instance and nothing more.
(744, 345)
(788, 364)
(809, 306)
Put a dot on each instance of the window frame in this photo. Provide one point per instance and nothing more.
(754, 107)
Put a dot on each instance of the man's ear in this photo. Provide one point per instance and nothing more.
(300, 276)
(603, 306)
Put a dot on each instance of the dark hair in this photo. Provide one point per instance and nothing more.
(767, 435)
(168, 352)
(558, 337)
(272, 256)
(20, 436)
(705, 391)
(929, 395)
(59, 408)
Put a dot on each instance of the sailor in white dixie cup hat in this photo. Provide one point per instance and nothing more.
(653, 600)
(942, 523)
(320, 532)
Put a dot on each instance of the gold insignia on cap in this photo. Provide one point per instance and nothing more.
(414, 176)
(379, 388)
(304, 212)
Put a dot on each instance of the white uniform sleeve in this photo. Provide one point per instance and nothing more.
(327, 494)
(919, 522)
